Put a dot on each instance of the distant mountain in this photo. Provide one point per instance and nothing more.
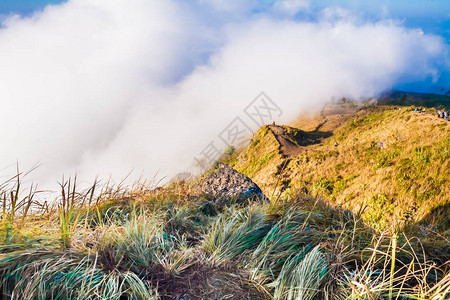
(403, 98)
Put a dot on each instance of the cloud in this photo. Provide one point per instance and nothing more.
(103, 87)
(291, 7)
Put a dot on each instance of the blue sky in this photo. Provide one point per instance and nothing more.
(432, 16)
(24, 7)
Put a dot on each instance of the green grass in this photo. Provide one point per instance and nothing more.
(235, 233)
(116, 242)
(301, 276)
(261, 251)
(45, 274)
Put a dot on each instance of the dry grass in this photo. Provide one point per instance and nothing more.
(137, 242)
(129, 245)
(389, 164)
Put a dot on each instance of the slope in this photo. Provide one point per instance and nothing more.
(385, 162)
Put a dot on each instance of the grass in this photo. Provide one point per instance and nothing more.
(301, 276)
(52, 274)
(379, 152)
(137, 242)
(234, 233)
(147, 249)
(286, 237)
(13, 203)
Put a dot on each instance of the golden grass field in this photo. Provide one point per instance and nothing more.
(358, 210)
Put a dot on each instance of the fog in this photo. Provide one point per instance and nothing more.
(103, 87)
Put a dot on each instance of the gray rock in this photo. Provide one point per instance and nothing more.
(381, 145)
(226, 185)
(184, 176)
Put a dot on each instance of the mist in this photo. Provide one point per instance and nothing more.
(101, 88)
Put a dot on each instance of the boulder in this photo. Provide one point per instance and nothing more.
(226, 185)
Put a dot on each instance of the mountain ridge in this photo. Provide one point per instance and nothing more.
(377, 156)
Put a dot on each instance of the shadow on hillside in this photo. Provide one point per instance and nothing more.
(434, 229)
(300, 137)
(292, 140)
(306, 138)
(438, 218)
(319, 136)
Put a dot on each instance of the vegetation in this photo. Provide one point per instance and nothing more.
(135, 243)
(383, 161)
(360, 214)
(420, 99)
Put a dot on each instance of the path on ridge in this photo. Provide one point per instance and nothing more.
(288, 147)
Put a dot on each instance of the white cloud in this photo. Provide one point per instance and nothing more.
(102, 87)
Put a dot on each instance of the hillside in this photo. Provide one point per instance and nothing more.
(387, 162)
(351, 204)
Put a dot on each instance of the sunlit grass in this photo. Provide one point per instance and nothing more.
(134, 242)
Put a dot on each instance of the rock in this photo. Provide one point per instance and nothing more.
(373, 102)
(184, 176)
(381, 145)
(226, 185)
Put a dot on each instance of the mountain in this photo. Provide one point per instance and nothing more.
(419, 99)
(388, 163)
(352, 203)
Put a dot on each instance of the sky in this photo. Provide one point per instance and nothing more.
(432, 16)
(24, 7)
(105, 87)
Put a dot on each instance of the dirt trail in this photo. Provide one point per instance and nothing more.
(321, 124)
(288, 147)
(316, 129)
